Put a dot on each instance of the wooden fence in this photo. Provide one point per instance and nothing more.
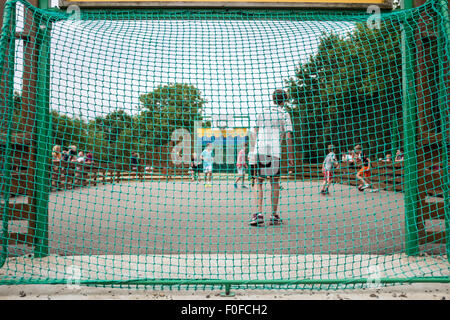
(384, 176)
(69, 175)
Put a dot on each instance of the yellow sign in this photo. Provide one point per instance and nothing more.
(228, 133)
(342, 4)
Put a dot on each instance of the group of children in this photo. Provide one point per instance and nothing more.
(273, 125)
(71, 155)
(206, 160)
(330, 164)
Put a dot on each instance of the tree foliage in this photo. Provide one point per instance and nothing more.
(116, 135)
(69, 131)
(169, 107)
(114, 124)
(349, 92)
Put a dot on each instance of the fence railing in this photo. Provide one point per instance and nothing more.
(69, 175)
(384, 175)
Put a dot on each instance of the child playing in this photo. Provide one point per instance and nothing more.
(241, 166)
(194, 167)
(388, 158)
(81, 158)
(328, 166)
(363, 174)
(399, 156)
(207, 159)
(272, 127)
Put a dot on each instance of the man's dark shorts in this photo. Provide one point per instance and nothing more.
(268, 166)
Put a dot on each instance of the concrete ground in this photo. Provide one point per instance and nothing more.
(62, 292)
(182, 217)
(179, 229)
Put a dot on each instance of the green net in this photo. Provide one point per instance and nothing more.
(211, 147)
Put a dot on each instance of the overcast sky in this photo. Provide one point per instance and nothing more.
(100, 66)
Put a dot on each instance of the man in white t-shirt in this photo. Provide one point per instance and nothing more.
(272, 124)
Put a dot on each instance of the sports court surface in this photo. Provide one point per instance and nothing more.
(184, 217)
(173, 229)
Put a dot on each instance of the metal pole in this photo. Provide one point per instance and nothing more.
(229, 283)
(7, 45)
(411, 195)
(43, 137)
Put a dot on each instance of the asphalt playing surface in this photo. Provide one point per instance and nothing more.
(178, 217)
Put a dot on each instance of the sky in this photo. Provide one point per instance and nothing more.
(101, 66)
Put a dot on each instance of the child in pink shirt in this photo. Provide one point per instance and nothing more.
(241, 165)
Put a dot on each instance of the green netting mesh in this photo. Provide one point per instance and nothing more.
(150, 147)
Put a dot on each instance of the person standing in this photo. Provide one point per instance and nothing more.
(272, 124)
(56, 168)
(56, 153)
(194, 167)
(364, 173)
(89, 158)
(399, 156)
(328, 166)
(241, 165)
(73, 154)
(81, 158)
(208, 160)
(134, 161)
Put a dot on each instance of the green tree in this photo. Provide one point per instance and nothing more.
(113, 124)
(69, 131)
(349, 92)
(168, 108)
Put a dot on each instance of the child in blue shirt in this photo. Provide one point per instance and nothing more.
(208, 160)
